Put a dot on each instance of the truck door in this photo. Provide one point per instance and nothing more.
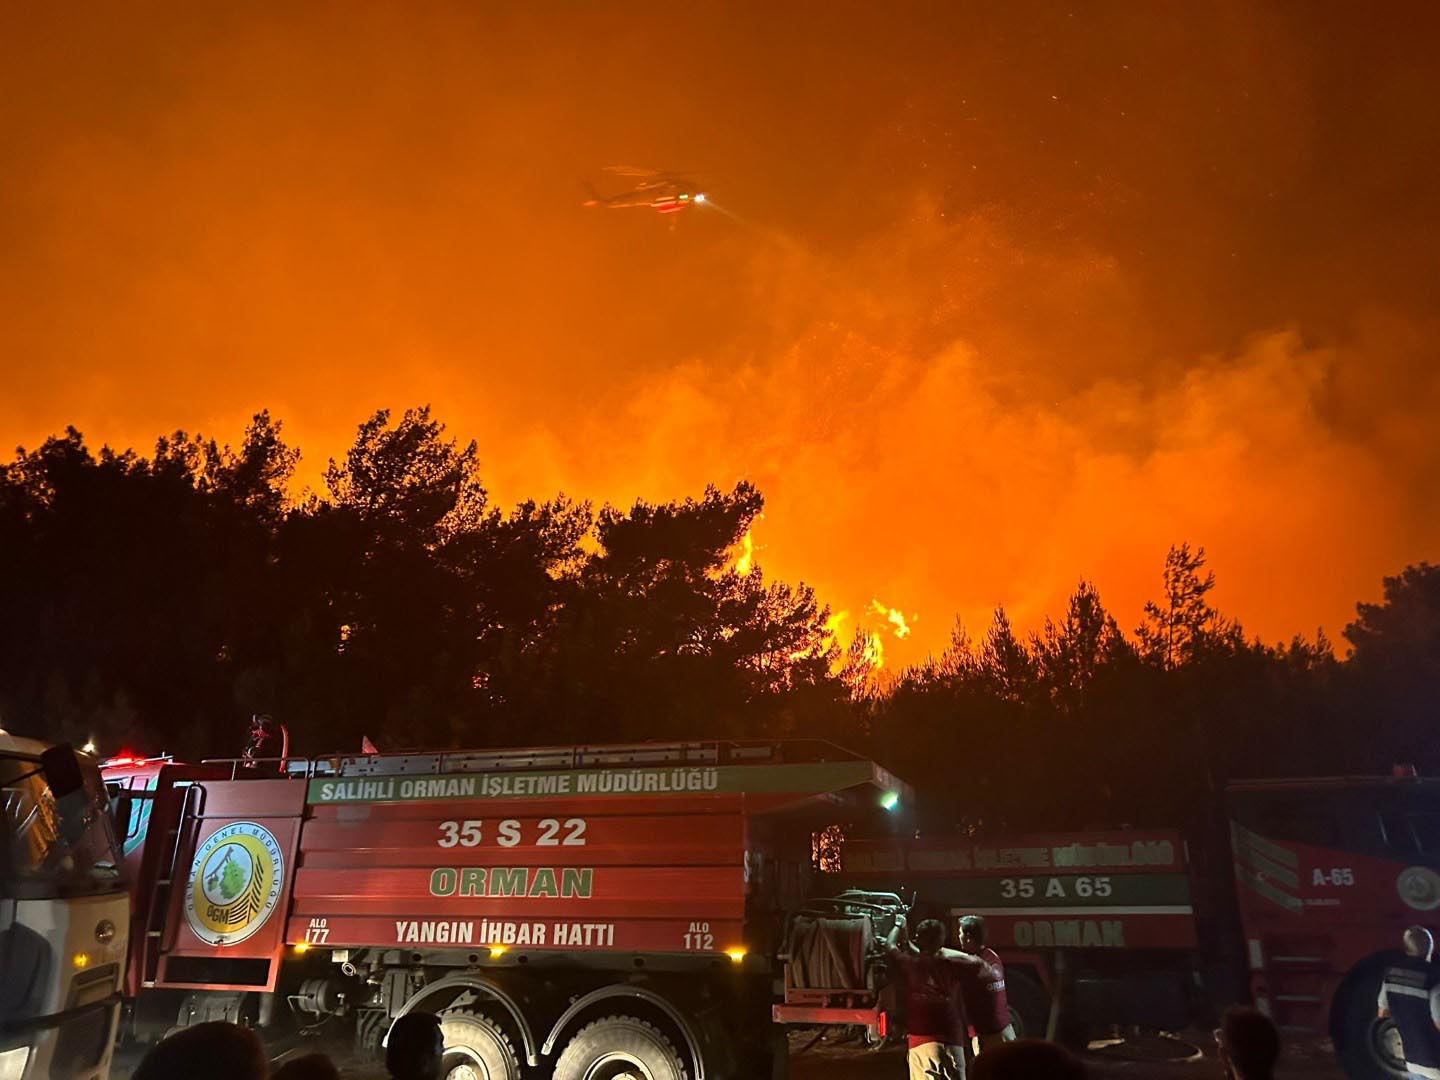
(227, 893)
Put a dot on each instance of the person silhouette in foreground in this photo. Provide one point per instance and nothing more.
(933, 980)
(215, 1051)
(307, 1067)
(986, 1007)
(1027, 1059)
(1410, 995)
(1249, 1044)
(416, 1047)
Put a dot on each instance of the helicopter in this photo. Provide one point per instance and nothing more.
(662, 192)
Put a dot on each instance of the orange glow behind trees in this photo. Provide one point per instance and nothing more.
(997, 300)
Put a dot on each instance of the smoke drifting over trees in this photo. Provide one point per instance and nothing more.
(156, 602)
(1045, 286)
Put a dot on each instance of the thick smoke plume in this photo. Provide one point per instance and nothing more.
(989, 298)
(960, 423)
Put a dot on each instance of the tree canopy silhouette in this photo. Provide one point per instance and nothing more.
(156, 602)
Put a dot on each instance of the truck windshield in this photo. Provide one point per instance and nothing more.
(43, 856)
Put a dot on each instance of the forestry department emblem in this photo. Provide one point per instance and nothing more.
(1419, 888)
(235, 881)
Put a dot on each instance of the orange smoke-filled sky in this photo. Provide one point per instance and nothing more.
(994, 296)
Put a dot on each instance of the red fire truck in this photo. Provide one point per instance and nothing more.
(1312, 892)
(1328, 875)
(1108, 916)
(591, 911)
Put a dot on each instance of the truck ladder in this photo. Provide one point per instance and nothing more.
(158, 909)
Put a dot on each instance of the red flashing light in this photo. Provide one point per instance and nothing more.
(882, 1026)
(124, 759)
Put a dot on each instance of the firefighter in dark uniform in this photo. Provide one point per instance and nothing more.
(1410, 994)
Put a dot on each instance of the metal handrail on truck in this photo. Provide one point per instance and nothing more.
(692, 753)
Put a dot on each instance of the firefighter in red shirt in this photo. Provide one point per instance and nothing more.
(986, 1006)
(934, 978)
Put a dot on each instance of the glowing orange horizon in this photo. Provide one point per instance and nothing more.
(976, 329)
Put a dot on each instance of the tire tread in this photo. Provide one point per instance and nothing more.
(485, 1021)
(565, 1068)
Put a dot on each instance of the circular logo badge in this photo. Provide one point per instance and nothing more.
(1419, 887)
(235, 882)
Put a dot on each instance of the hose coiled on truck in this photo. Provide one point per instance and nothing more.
(830, 953)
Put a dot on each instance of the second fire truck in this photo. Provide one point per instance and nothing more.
(1304, 895)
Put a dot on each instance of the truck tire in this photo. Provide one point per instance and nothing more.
(1029, 1004)
(476, 1048)
(619, 1048)
(1368, 1047)
(370, 1028)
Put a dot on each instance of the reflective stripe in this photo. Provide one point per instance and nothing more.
(1260, 885)
(1241, 835)
(1261, 863)
(1408, 991)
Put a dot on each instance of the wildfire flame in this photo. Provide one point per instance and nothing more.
(746, 561)
(833, 622)
(894, 617)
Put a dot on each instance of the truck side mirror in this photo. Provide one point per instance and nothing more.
(61, 766)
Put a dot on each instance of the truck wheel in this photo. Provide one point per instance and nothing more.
(1368, 1047)
(476, 1048)
(1029, 1005)
(370, 1028)
(619, 1048)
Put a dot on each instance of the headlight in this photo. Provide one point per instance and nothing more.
(13, 1062)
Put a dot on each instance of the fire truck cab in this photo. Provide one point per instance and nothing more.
(1328, 874)
(64, 915)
